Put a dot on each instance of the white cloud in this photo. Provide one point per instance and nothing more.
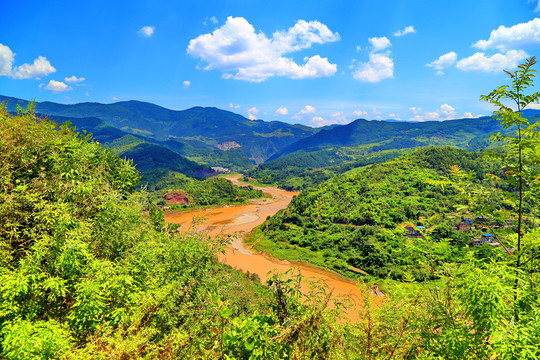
(302, 35)
(358, 48)
(308, 109)
(512, 38)
(115, 98)
(339, 117)
(408, 30)
(146, 31)
(415, 110)
(448, 111)
(212, 20)
(360, 113)
(74, 79)
(281, 111)
(232, 106)
(533, 106)
(41, 66)
(87, 94)
(379, 43)
(319, 121)
(375, 111)
(394, 116)
(444, 112)
(186, 84)
(243, 54)
(6, 60)
(379, 67)
(252, 113)
(57, 86)
(494, 63)
(443, 62)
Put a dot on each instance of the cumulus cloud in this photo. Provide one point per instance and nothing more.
(444, 112)
(379, 67)
(319, 121)
(6, 60)
(115, 98)
(186, 84)
(515, 37)
(339, 117)
(360, 113)
(308, 109)
(443, 62)
(281, 111)
(73, 79)
(498, 62)
(394, 116)
(379, 43)
(146, 31)
(408, 30)
(41, 66)
(57, 86)
(232, 106)
(243, 54)
(252, 113)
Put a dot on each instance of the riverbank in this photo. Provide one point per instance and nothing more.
(238, 220)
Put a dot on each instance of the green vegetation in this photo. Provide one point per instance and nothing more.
(214, 191)
(303, 169)
(85, 274)
(189, 128)
(358, 219)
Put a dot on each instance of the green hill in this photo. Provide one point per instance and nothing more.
(358, 219)
(258, 139)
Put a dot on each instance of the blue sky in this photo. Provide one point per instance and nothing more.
(309, 62)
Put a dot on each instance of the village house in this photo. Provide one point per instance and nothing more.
(462, 226)
(485, 239)
(414, 232)
(469, 221)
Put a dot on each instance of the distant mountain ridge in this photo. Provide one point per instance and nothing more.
(258, 139)
(464, 133)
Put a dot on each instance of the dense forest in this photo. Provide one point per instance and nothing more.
(357, 220)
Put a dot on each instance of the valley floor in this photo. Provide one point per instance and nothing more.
(237, 221)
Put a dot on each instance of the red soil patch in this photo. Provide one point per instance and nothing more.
(177, 197)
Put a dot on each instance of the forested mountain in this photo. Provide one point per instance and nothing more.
(257, 139)
(471, 134)
(358, 219)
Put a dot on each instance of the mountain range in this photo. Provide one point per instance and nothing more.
(193, 140)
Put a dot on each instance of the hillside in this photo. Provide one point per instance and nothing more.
(470, 134)
(358, 219)
(258, 139)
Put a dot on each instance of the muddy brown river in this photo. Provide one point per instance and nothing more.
(239, 220)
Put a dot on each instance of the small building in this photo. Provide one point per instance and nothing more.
(485, 239)
(469, 221)
(414, 231)
(476, 242)
(462, 226)
(488, 238)
(509, 222)
(482, 220)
